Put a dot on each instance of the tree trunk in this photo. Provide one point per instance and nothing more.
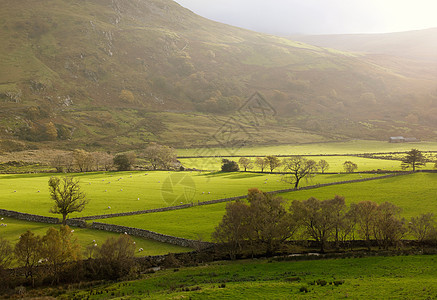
(64, 219)
(296, 184)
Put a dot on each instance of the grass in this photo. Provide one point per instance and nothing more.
(85, 237)
(400, 277)
(349, 147)
(133, 191)
(415, 194)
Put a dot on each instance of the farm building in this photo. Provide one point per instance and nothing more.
(401, 139)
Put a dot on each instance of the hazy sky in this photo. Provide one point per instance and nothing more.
(319, 16)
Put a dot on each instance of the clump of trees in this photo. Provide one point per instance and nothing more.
(82, 161)
(229, 166)
(56, 257)
(124, 162)
(160, 156)
(264, 222)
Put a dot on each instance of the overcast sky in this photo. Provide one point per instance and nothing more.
(287, 17)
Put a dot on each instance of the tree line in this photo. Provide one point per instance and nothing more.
(265, 222)
(298, 167)
(57, 257)
(155, 157)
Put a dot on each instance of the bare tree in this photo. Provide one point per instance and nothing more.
(63, 162)
(390, 228)
(323, 165)
(5, 253)
(102, 160)
(364, 214)
(83, 160)
(245, 162)
(264, 222)
(298, 168)
(160, 156)
(117, 256)
(349, 166)
(317, 217)
(261, 162)
(422, 227)
(338, 206)
(414, 159)
(67, 196)
(270, 223)
(233, 229)
(273, 162)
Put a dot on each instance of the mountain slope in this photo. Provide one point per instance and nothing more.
(118, 74)
(417, 45)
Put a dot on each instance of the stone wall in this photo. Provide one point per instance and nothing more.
(132, 213)
(234, 198)
(152, 235)
(28, 217)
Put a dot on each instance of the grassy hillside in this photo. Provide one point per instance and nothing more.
(118, 74)
(400, 277)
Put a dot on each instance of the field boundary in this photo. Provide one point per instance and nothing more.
(170, 208)
(163, 238)
(305, 155)
(28, 217)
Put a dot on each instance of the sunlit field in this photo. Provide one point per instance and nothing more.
(415, 194)
(85, 237)
(350, 147)
(335, 163)
(115, 192)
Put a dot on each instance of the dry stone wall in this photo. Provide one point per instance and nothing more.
(28, 217)
(152, 235)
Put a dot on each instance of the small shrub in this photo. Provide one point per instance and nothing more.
(321, 282)
(303, 289)
(292, 279)
(338, 282)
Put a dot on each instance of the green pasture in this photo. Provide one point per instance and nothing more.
(399, 277)
(349, 147)
(415, 194)
(335, 163)
(85, 237)
(114, 192)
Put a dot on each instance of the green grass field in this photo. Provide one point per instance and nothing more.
(133, 191)
(400, 277)
(335, 163)
(85, 237)
(415, 194)
(350, 147)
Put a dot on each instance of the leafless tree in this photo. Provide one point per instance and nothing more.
(298, 168)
